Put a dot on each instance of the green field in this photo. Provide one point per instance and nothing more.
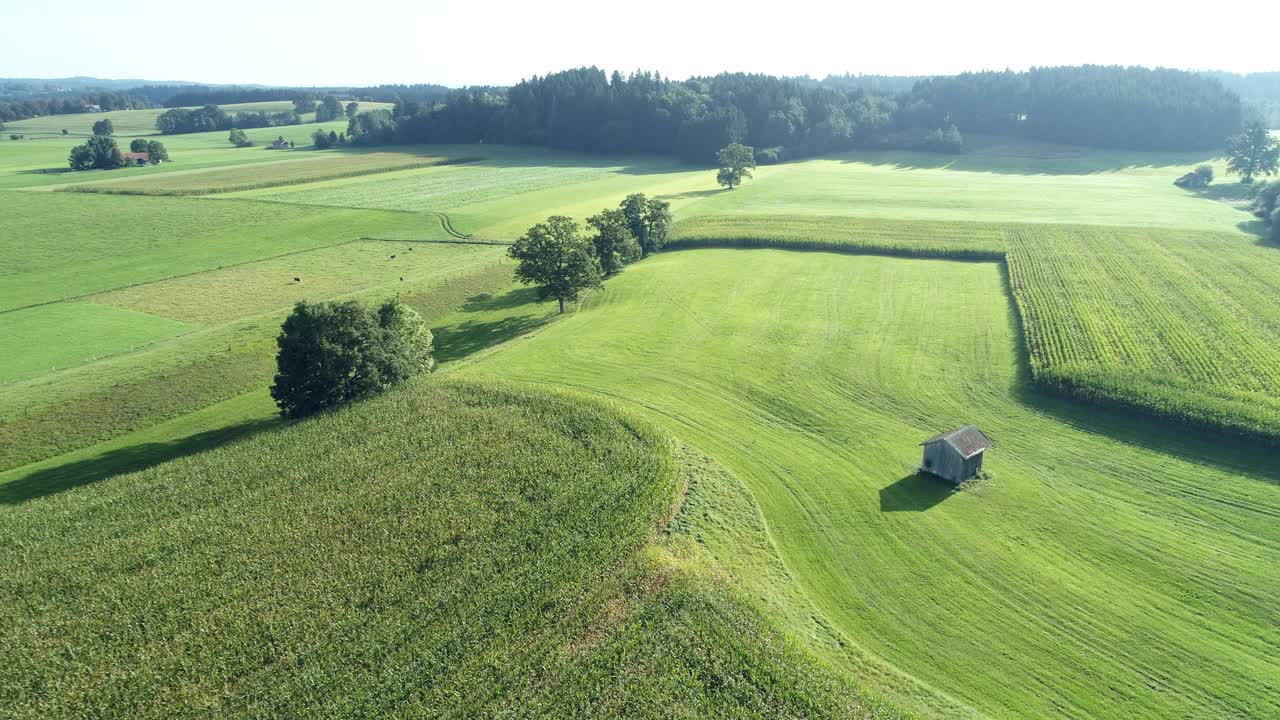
(382, 591)
(43, 162)
(126, 320)
(814, 378)
(42, 339)
(503, 191)
(1112, 565)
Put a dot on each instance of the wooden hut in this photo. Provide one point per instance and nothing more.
(1192, 180)
(955, 455)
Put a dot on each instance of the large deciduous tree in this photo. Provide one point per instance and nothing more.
(613, 240)
(329, 109)
(1253, 152)
(736, 163)
(649, 220)
(554, 257)
(238, 138)
(331, 353)
(99, 153)
(103, 127)
(157, 151)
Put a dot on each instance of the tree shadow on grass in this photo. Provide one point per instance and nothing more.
(455, 342)
(485, 302)
(916, 492)
(462, 339)
(46, 171)
(691, 194)
(1226, 192)
(57, 478)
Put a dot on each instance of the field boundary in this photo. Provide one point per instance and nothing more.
(458, 241)
(835, 246)
(81, 296)
(106, 188)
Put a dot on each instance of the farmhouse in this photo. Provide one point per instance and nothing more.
(1191, 180)
(137, 158)
(955, 455)
(279, 144)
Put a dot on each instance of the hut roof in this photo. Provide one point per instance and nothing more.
(967, 440)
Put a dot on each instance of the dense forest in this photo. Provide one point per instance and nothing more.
(1132, 108)
(1260, 93)
(587, 110)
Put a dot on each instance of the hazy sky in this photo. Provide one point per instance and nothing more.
(292, 42)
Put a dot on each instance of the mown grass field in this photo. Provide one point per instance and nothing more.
(502, 191)
(1105, 569)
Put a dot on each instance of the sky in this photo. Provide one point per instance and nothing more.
(297, 42)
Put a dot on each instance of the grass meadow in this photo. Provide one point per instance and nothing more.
(1136, 552)
(1112, 565)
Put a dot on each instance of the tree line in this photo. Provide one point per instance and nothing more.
(211, 117)
(79, 103)
(1107, 106)
(587, 110)
(561, 262)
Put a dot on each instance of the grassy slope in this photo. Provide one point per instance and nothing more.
(1104, 571)
(455, 549)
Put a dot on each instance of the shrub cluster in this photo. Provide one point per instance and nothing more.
(331, 353)
(322, 139)
(1266, 205)
(154, 148)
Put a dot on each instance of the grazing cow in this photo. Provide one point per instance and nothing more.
(297, 279)
(393, 257)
